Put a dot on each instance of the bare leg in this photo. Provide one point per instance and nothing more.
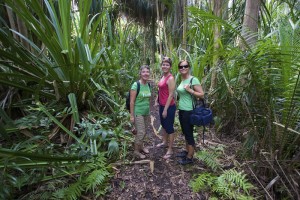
(191, 150)
(164, 139)
(170, 147)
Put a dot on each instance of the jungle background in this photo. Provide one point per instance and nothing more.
(65, 68)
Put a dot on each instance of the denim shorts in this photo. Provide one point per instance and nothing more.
(186, 127)
(168, 122)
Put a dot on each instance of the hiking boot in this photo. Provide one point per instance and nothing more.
(182, 154)
(186, 161)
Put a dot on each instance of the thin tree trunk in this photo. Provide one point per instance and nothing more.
(250, 23)
(184, 24)
(23, 30)
(11, 20)
(153, 30)
(158, 26)
(164, 32)
(217, 11)
(177, 23)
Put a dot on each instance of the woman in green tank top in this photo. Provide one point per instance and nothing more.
(186, 90)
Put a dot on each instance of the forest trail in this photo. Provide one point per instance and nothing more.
(168, 181)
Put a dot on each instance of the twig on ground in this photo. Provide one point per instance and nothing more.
(151, 163)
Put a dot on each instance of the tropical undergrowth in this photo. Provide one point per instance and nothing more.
(223, 180)
(63, 117)
(256, 99)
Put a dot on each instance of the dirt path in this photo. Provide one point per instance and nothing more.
(169, 180)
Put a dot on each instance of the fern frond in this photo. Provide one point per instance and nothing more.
(74, 191)
(202, 182)
(71, 193)
(209, 158)
(96, 178)
(233, 185)
(239, 179)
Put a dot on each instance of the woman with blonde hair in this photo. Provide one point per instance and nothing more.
(188, 89)
(140, 110)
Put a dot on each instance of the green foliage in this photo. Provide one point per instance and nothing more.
(233, 185)
(203, 182)
(67, 64)
(93, 181)
(113, 148)
(230, 184)
(211, 157)
(225, 184)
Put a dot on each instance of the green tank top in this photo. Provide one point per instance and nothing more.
(185, 98)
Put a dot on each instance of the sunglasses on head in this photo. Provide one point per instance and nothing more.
(183, 66)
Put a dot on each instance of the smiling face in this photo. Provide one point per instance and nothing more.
(165, 67)
(145, 72)
(183, 67)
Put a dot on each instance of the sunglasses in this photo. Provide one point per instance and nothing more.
(183, 66)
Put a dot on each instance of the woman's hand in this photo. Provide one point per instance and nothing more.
(132, 119)
(188, 88)
(165, 113)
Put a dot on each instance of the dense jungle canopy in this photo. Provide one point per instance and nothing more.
(66, 66)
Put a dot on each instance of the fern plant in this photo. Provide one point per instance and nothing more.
(231, 184)
(92, 179)
(211, 157)
(228, 184)
(203, 182)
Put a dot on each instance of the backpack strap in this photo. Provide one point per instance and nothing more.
(193, 97)
(138, 88)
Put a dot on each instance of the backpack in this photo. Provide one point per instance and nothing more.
(137, 93)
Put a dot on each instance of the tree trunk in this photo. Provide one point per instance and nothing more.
(217, 12)
(184, 24)
(22, 29)
(11, 20)
(159, 28)
(166, 47)
(153, 30)
(18, 27)
(250, 23)
(177, 23)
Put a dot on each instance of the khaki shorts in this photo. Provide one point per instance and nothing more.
(141, 122)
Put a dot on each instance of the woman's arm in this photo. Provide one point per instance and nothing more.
(197, 91)
(171, 88)
(132, 102)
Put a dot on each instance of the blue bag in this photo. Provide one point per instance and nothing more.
(201, 116)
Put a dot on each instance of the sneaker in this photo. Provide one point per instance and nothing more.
(182, 154)
(186, 161)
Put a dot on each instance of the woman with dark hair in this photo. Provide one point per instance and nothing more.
(188, 89)
(167, 107)
(140, 110)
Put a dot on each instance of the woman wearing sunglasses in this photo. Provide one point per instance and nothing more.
(140, 110)
(167, 107)
(186, 90)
